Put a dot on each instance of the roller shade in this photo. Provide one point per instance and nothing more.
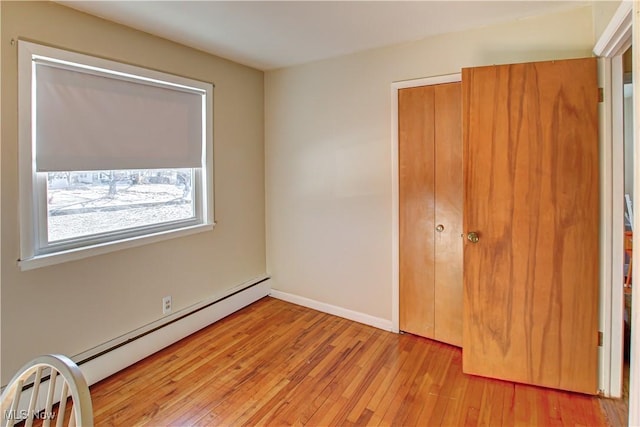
(87, 120)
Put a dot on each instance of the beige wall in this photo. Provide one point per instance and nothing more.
(603, 11)
(72, 307)
(328, 152)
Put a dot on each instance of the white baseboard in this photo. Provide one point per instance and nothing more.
(128, 353)
(356, 316)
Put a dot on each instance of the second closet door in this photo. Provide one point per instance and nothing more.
(430, 165)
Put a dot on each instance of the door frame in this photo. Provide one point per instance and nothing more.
(395, 186)
(615, 40)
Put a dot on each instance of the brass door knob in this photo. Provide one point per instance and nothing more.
(440, 228)
(473, 237)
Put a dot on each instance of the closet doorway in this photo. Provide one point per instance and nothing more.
(430, 211)
(628, 215)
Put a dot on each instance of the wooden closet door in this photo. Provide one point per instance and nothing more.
(416, 157)
(430, 157)
(531, 194)
(448, 195)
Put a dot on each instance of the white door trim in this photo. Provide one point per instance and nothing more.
(395, 189)
(615, 40)
(616, 37)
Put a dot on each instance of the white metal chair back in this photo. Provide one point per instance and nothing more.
(61, 378)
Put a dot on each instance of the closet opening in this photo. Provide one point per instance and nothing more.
(628, 215)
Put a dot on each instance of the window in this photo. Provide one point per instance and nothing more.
(111, 155)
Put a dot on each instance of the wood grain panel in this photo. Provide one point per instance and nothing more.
(448, 212)
(531, 192)
(275, 363)
(416, 198)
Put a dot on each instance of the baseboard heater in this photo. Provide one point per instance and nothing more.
(119, 353)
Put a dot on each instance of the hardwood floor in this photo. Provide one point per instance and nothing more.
(275, 363)
(617, 410)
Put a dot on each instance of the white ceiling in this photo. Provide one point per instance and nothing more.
(273, 34)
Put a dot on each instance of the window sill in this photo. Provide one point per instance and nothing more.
(104, 248)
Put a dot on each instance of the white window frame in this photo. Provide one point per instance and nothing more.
(32, 185)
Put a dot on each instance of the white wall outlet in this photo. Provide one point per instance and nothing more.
(166, 305)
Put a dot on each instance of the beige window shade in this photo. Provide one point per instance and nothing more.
(88, 120)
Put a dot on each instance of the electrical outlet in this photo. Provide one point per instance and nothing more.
(166, 305)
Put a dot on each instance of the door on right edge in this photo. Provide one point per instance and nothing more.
(531, 212)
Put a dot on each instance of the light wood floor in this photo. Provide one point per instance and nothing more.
(275, 363)
(616, 411)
